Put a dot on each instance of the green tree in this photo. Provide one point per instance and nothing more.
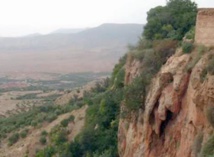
(156, 18)
(171, 21)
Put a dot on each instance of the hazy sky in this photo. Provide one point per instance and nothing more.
(21, 17)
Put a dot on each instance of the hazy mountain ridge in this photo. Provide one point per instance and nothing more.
(99, 36)
(96, 49)
(68, 30)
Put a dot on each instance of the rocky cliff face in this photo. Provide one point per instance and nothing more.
(174, 121)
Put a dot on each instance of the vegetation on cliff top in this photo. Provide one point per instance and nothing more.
(171, 21)
(165, 27)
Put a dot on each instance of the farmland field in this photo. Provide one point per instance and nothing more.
(19, 94)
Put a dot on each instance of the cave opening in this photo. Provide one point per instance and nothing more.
(169, 115)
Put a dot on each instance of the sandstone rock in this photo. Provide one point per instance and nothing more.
(174, 112)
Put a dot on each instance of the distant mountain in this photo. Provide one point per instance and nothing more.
(114, 30)
(67, 31)
(109, 33)
(99, 36)
(32, 35)
(94, 49)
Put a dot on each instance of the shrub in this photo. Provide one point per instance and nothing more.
(58, 135)
(195, 58)
(46, 152)
(45, 108)
(34, 123)
(164, 49)
(106, 153)
(144, 44)
(135, 94)
(203, 75)
(160, 50)
(210, 115)
(3, 135)
(210, 66)
(43, 140)
(154, 57)
(23, 134)
(44, 133)
(139, 54)
(191, 65)
(13, 139)
(207, 149)
(138, 51)
(151, 62)
(64, 122)
(190, 34)
(119, 79)
(58, 112)
(196, 148)
(71, 118)
(187, 47)
(118, 67)
(51, 117)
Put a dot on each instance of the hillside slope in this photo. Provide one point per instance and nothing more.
(31, 143)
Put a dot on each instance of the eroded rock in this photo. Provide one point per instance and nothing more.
(174, 112)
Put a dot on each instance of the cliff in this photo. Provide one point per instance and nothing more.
(174, 122)
(176, 116)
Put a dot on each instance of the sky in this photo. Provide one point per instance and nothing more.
(22, 17)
